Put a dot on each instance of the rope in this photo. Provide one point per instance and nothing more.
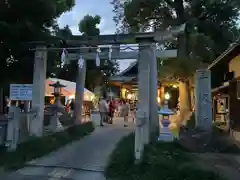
(122, 48)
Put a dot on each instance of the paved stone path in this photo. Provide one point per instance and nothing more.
(82, 160)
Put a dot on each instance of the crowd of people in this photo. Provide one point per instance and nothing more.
(110, 108)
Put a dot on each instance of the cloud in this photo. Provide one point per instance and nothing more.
(84, 7)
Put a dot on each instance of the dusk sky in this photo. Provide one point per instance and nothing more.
(102, 8)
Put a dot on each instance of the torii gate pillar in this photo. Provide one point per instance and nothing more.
(144, 91)
(147, 117)
(79, 93)
(153, 80)
(38, 92)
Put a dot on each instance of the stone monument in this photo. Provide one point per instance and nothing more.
(203, 114)
(13, 128)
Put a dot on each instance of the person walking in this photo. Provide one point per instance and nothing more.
(119, 105)
(103, 110)
(134, 114)
(21, 106)
(124, 112)
(132, 110)
(111, 107)
(8, 105)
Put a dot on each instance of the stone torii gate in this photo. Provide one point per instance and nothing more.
(147, 75)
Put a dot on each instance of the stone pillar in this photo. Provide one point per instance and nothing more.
(13, 128)
(184, 103)
(28, 118)
(144, 87)
(142, 134)
(139, 135)
(79, 94)
(203, 100)
(153, 79)
(38, 92)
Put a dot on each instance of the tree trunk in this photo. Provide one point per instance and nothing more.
(185, 100)
(184, 89)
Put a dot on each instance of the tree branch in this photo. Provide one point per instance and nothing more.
(170, 3)
(179, 8)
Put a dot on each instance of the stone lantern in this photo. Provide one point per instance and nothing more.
(56, 108)
(164, 121)
(57, 92)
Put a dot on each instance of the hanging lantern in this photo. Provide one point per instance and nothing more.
(80, 62)
(64, 59)
(97, 60)
(110, 53)
(97, 57)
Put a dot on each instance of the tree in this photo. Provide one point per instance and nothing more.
(65, 33)
(95, 76)
(67, 71)
(88, 25)
(22, 22)
(206, 21)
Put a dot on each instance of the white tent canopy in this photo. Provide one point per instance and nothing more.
(68, 91)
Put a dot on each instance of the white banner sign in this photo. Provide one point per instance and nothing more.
(21, 92)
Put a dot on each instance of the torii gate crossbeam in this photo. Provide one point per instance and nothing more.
(122, 55)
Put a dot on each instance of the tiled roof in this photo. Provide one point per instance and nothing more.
(233, 47)
(132, 65)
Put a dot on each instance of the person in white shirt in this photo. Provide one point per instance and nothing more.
(124, 112)
(103, 110)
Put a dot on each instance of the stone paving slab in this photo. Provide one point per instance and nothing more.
(43, 173)
(81, 160)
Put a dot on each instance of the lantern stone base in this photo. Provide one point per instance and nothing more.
(95, 118)
(55, 124)
(165, 135)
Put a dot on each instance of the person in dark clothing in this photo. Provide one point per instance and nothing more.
(72, 105)
(111, 108)
(8, 104)
(21, 106)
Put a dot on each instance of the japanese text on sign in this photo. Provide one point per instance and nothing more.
(20, 92)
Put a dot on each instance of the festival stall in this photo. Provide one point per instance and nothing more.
(68, 93)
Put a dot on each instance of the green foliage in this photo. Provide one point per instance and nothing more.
(68, 71)
(160, 161)
(88, 25)
(38, 147)
(22, 22)
(211, 26)
(66, 119)
(121, 158)
(65, 33)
